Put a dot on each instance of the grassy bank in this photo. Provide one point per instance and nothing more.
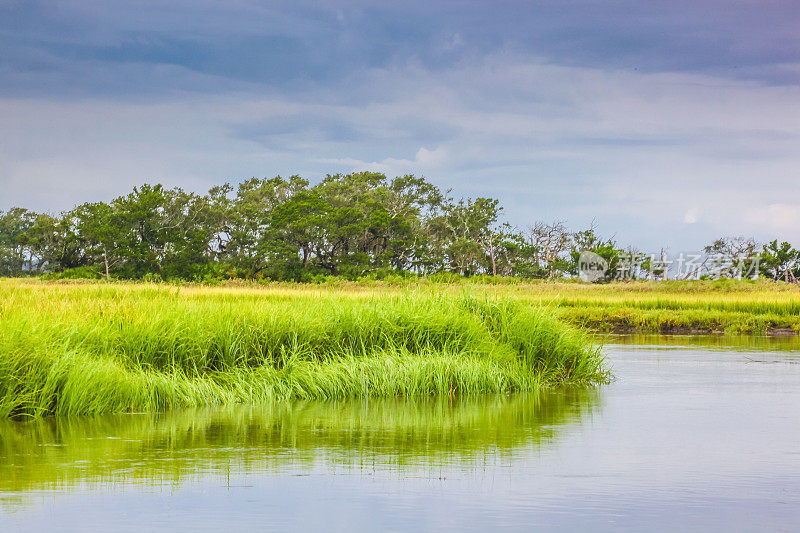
(94, 348)
(672, 307)
(691, 307)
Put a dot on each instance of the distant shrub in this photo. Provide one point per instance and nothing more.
(152, 277)
(83, 272)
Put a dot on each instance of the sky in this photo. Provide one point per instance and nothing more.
(668, 124)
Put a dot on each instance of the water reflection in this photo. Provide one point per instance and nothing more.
(727, 342)
(168, 448)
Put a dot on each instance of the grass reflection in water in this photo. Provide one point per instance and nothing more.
(55, 453)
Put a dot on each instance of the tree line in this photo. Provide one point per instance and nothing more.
(349, 225)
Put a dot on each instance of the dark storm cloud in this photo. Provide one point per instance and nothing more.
(80, 47)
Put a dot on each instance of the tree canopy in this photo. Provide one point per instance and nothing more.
(348, 225)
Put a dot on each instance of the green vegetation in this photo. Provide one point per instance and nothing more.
(86, 347)
(62, 452)
(721, 306)
(98, 348)
(348, 226)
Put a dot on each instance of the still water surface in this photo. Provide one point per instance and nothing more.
(692, 434)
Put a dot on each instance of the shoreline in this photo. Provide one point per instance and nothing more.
(693, 331)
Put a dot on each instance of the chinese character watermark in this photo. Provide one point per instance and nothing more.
(684, 266)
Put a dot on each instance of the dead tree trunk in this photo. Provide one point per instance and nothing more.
(105, 260)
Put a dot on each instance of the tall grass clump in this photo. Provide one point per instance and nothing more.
(82, 349)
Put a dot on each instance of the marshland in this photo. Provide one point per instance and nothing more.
(399, 266)
(88, 349)
(372, 397)
(716, 414)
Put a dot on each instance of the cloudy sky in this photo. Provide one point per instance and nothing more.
(668, 123)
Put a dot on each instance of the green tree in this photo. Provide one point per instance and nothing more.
(253, 240)
(780, 261)
(588, 240)
(468, 234)
(15, 228)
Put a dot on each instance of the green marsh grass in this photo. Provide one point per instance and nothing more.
(70, 349)
(722, 306)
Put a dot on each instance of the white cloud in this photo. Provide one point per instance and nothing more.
(454, 41)
(431, 158)
(635, 151)
(424, 160)
(775, 217)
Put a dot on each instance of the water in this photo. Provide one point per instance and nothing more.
(687, 437)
